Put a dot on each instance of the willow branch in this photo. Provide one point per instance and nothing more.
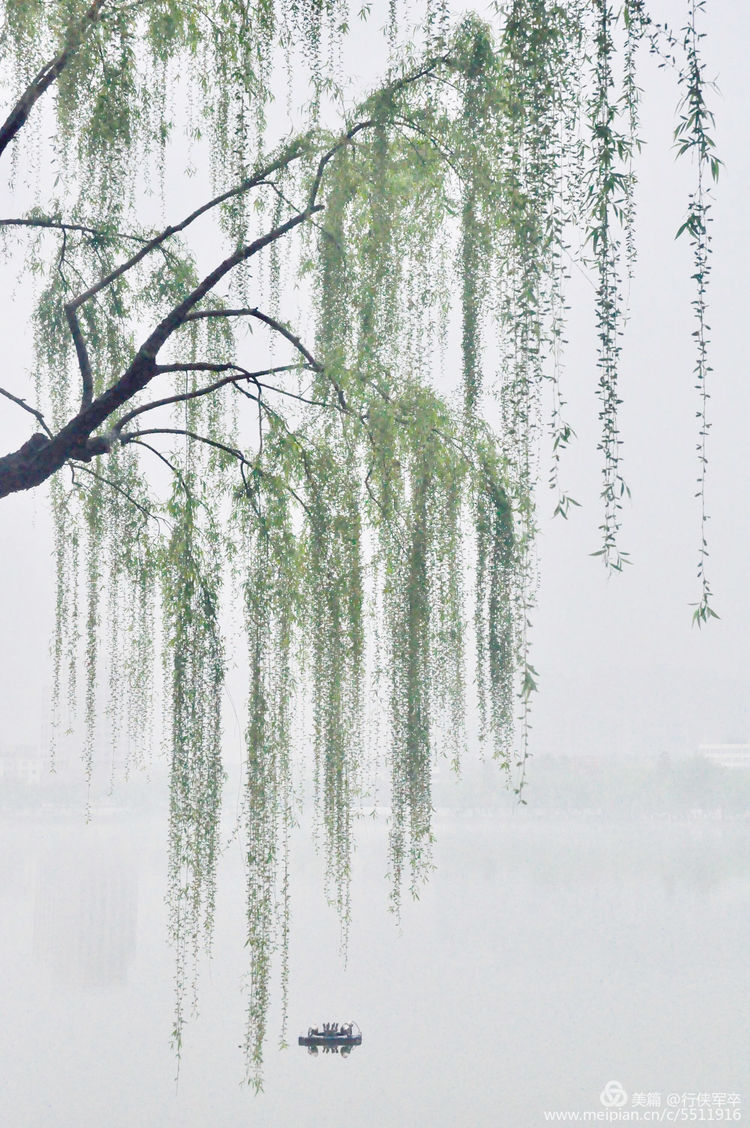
(178, 315)
(347, 138)
(31, 410)
(286, 332)
(448, 157)
(240, 374)
(41, 457)
(118, 489)
(84, 363)
(61, 225)
(164, 459)
(136, 436)
(225, 366)
(151, 346)
(173, 229)
(295, 395)
(271, 322)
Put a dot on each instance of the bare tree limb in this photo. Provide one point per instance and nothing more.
(240, 374)
(84, 363)
(84, 229)
(136, 435)
(118, 489)
(31, 410)
(272, 322)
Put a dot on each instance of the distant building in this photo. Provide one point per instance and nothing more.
(21, 764)
(727, 755)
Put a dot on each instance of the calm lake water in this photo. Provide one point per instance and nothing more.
(544, 959)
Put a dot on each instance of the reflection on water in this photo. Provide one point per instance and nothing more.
(342, 1051)
(85, 913)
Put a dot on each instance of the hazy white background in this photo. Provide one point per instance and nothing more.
(567, 953)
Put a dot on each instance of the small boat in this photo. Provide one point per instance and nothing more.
(331, 1036)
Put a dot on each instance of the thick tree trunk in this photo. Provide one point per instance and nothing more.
(41, 457)
(22, 470)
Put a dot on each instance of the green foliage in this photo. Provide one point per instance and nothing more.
(350, 505)
(693, 136)
(194, 675)
(271, 590)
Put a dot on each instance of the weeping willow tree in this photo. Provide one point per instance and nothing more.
(252, 399)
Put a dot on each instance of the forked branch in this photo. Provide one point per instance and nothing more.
(43, 455)
(238, 375)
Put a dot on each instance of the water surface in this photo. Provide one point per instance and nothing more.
(545, 958)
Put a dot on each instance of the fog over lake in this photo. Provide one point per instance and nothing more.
(548, 955)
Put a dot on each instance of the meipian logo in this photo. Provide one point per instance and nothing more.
(613, 1095)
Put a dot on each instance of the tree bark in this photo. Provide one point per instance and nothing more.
(41, 457)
